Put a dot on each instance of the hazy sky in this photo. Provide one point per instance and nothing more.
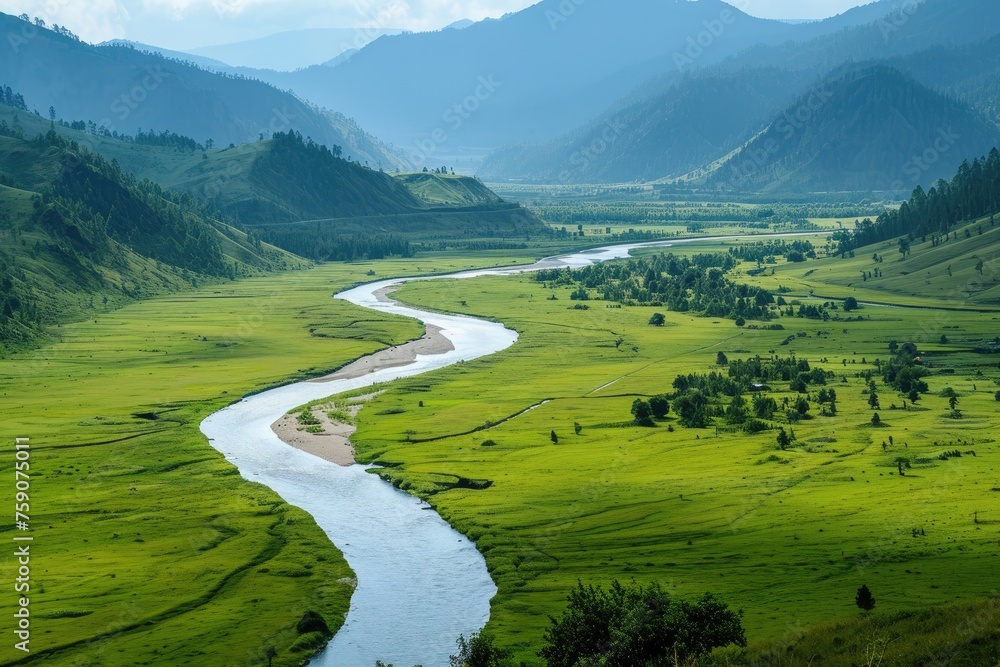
(186, 24)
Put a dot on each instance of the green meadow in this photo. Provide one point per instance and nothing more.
(149, 548)
(787, 536)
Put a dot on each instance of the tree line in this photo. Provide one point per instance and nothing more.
(681, 284)
(974, 192)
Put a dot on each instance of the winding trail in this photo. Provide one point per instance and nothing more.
(420, 583)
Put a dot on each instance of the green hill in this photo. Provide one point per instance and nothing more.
(79, 235)
(448, 189)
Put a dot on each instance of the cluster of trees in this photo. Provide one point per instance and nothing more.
(697, 284)
(905, 370)
(20, 318)
(973, 192)
(765, 252)
(630, 625)
(12, 99)
(625, 625)
(698, 398)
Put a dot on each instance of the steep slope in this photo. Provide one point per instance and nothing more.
(122, 90)
(691, 124)
(869, 129)
(77, 233)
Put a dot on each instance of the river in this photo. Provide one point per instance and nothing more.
(420, 583)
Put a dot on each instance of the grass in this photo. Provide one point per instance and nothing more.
(149, 547)
(787, 541)
(447, 189)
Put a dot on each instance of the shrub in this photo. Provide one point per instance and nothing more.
(638, 625)
(658, 320)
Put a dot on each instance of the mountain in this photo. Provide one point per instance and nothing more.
(694, 122)
(75, 228)
(869, 129)
(670, 125)
(293, 49)
(122, 90)
(527, 76)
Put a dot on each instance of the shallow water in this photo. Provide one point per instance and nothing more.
(420, 583)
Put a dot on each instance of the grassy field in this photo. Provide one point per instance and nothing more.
(786, 536)
(149, 548)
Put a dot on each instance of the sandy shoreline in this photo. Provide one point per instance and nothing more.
(334, 443)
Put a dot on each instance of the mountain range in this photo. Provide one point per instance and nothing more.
(123, 89)
(688, 128)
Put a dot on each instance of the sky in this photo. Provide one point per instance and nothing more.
(189, 24)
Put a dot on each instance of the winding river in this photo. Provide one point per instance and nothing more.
(420, 583)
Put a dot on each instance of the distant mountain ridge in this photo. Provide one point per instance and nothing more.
(688, 127)
(868, 129)
(124, 89)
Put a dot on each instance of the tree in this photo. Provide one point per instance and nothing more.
(873, 401)
(721, 359)
(864, 599)
(638, 625)
(736, 413)
(658, 320)
(642, 413)
(784, 442)
(802, 406)
(660, 407)
(876, 420)
(904, 246)
(52, 116)
(554, 438)
(979, 267)
(479, 651)
(997, 395)
(690, 408)
(270, 654)
(850, 303)
(953, 402)
(740, 321)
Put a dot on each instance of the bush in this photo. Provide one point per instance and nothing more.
(637, 625)
(997, 395)
(479, 651)
(660, 406)
(312, 622)
(658, 320)
(740, 322)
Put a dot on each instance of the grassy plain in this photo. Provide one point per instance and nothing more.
(149, 548)
(786, 536)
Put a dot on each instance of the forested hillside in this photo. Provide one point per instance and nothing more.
(974, 192)
(868, 129)
(79, 235)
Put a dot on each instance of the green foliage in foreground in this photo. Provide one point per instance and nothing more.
(630, 625)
